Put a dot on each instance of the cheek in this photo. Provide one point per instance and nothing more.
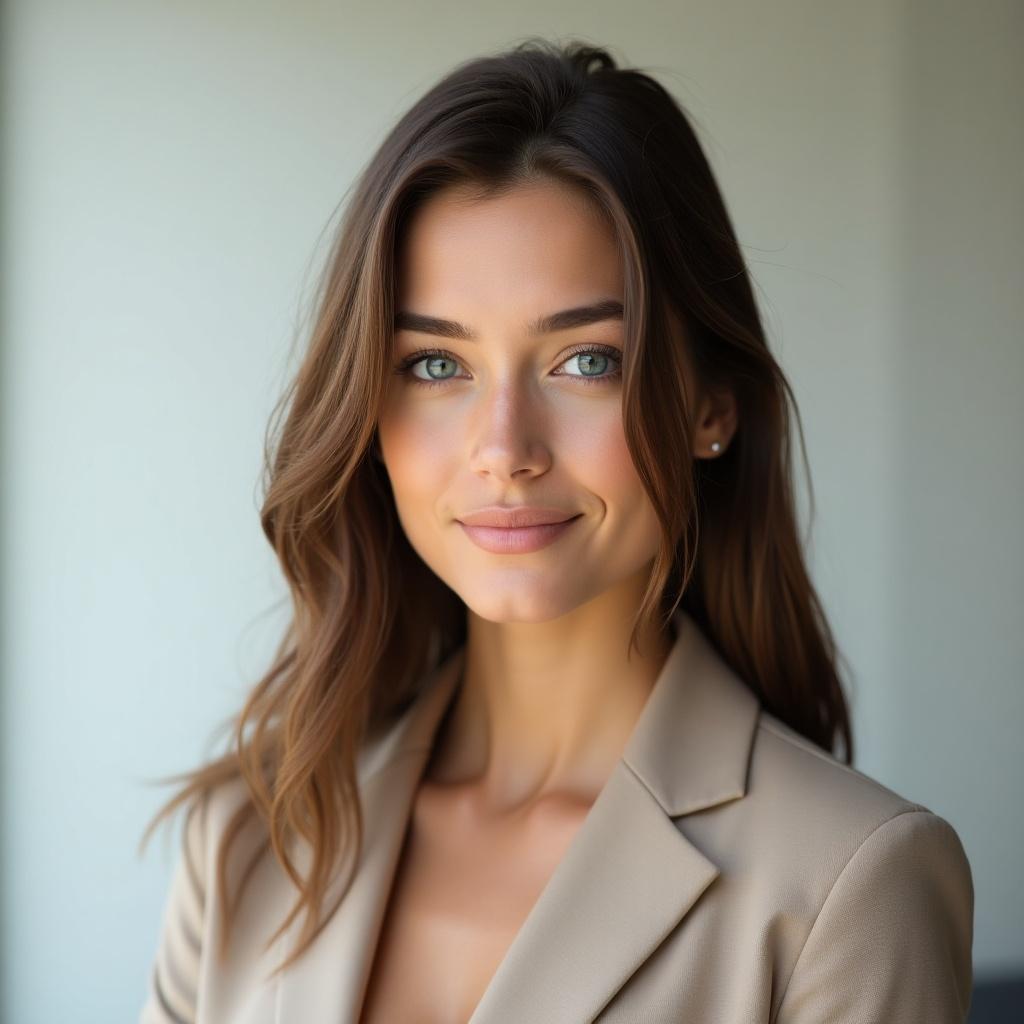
(417, 450)
(605, 466)
(602, 459)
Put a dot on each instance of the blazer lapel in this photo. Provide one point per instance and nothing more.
(630, 876)
(627, 879)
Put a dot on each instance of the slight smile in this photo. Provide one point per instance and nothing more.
(483, 531)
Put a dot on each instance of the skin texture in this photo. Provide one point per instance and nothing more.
(548, 698)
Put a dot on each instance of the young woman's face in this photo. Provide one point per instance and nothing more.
(512, 417)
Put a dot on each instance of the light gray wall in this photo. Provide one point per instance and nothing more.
(167, 172)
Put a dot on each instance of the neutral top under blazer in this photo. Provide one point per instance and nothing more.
(729, 872)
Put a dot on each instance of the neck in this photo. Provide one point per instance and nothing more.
(545, 710)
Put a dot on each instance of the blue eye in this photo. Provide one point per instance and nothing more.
(591, 359)
(587, 359)
(435, 363)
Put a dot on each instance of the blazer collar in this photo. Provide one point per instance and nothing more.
(627, 879)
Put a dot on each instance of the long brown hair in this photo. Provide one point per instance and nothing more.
(369, 617)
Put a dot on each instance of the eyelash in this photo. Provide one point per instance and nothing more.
(413, 358)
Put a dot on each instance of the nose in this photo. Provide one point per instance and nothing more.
(506, 435)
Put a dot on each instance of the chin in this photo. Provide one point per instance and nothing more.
(508, 602)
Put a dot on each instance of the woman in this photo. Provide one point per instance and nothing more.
(551, 737)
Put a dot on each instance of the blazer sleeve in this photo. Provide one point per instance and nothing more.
(892, 941)
(174, 975)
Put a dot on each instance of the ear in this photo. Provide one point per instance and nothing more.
(715, 425)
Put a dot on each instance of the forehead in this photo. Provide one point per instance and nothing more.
(539, 247)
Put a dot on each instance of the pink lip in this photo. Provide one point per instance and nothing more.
(516, 540)
(515, 516)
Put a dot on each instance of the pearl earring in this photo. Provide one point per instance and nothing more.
(716, 446)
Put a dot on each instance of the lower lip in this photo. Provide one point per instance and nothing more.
(518, 541)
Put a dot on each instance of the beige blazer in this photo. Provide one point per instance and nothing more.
(730, 871)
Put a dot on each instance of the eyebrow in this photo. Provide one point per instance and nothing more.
(566, 319)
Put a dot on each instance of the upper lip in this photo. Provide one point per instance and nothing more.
(513, 516)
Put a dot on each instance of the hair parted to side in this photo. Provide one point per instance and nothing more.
(369, 617)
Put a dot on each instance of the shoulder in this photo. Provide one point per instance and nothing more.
(864, 896)
(877, 887)
(221, 804)
(869, 876)
(810, 829)
(798, 775)
(206, 820)
(824, 809)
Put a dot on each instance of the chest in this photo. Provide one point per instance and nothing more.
(461, 892)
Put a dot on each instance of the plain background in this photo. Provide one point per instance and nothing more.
(168, 170)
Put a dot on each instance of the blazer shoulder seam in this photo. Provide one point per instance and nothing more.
(915, 809)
